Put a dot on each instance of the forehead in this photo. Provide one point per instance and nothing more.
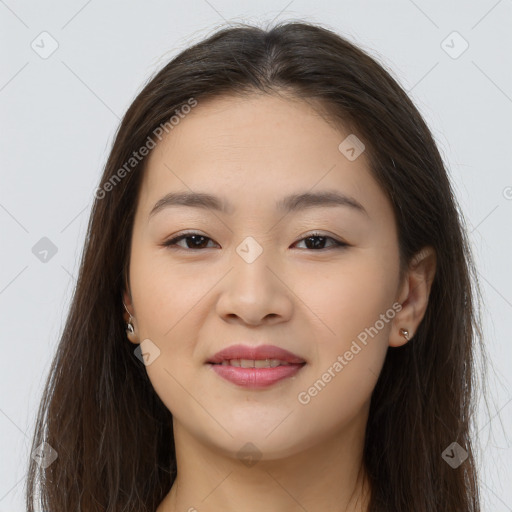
(253, 149)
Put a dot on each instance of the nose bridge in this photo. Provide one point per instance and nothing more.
(252, 290)
(251, 263)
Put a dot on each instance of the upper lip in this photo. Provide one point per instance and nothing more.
(254, 353)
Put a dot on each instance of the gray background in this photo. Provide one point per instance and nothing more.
(59, 115)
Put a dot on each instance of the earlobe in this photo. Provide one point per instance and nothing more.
(404, 332)
(400, 335)
(414, 293)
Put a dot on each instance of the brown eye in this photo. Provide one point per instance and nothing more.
(197, 241)
(317, 241)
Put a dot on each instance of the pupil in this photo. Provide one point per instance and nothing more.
(318, 241)
(195, 237)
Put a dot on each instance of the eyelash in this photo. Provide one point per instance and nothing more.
(172, 243)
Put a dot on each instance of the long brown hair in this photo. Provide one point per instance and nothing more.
(112, 434)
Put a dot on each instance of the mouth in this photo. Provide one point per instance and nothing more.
(255, 363)
(255, 367)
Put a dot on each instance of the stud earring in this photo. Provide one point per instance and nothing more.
(404, 333)
(129, 325)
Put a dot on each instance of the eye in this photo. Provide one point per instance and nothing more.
(317, 241)
(314, 241)
(198, 241)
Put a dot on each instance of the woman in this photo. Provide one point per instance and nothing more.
(274, 309)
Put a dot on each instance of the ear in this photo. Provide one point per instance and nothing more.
(127, 299)
(413, 294)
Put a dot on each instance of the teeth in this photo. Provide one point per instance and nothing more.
(251, 363)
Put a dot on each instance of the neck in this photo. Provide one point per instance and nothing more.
(326, 476)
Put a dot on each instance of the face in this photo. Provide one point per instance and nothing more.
(316, 279)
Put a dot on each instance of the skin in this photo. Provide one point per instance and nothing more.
(192, 302)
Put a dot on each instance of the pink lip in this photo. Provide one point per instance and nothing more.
(255, 377)
(259, 352)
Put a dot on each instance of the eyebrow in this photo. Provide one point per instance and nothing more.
(288, 204)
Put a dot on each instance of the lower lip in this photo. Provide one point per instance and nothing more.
(255, 377)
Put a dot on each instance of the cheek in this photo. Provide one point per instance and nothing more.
(339, 386)
(352, 299)
(168, 299)
(356, 310)
(164, 293)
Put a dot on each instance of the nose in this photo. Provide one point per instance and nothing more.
(255, 293)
